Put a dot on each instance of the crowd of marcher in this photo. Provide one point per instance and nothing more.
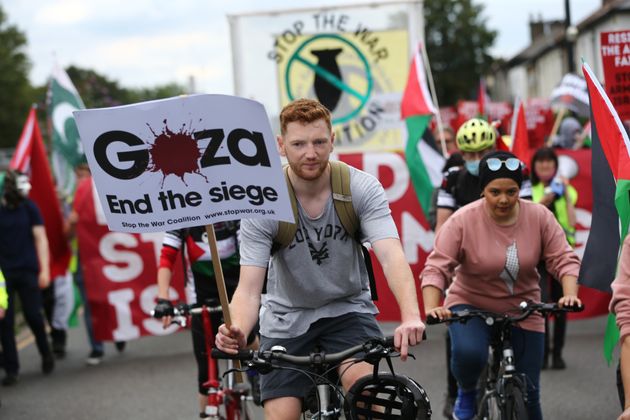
(505, 231)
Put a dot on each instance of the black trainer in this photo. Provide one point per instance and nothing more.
(10, 380)
(48, 363)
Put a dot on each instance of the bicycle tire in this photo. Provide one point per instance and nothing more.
(515, 408)
(489, 407)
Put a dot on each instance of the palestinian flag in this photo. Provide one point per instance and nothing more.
(424, 162)
(611, 188)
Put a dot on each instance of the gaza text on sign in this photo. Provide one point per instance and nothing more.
(182, 162)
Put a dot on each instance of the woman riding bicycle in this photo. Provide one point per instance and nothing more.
(496, 243)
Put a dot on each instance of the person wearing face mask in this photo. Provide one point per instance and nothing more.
(460, 186)
(24, 261)
(555, 193)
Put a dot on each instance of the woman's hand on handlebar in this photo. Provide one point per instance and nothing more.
(439, 312)
(569, 300)
(230, 340)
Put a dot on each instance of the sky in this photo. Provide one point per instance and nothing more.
(144, 43)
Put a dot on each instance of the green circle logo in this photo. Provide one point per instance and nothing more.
(329, 84)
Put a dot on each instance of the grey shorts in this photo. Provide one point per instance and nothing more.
(331, 334)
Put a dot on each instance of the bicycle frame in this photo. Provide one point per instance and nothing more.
(229, 396)
(394, 394)
(503, 384)
(501, 370)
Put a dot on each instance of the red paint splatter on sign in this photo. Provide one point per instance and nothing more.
(174, 153)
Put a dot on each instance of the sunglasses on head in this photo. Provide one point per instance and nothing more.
(512, 164)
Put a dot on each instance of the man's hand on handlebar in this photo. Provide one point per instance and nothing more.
(408, 334)
(230, 340)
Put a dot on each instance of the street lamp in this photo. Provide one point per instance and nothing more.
(571, 35)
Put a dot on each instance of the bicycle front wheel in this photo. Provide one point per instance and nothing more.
(489, 407)
(515, 408)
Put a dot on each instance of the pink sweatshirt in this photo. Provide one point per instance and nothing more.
(620, 303)
(496, 265)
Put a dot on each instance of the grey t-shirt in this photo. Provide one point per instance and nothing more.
(321, 274)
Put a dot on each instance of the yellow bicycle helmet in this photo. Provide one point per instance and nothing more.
(475, 135)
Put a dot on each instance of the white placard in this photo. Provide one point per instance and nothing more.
(183, 162)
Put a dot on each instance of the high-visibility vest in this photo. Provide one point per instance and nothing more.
(559, 208)
(4, 298)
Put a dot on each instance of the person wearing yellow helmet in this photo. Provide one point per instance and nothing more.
(460, 186)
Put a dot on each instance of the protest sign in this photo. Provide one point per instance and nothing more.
(615, 50)
(184, 162)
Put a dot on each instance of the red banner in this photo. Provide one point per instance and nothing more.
(540, 119)
(120, 274)
(120, 268)
(615, 50)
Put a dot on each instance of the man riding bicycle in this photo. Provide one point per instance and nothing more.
(317, 291)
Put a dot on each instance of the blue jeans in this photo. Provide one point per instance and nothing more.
(469, 347)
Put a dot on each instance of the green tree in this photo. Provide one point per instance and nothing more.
(99, 91)
(16, 94)
(457, 42)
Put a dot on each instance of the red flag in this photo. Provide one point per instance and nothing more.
(30, 158)
(416, 98)
(520, 139)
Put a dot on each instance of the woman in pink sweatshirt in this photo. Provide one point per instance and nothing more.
(620, 306)
(496, 243)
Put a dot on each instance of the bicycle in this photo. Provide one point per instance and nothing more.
(227, 401)
(504, 394)
(381, 395)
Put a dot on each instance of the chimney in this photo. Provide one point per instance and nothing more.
(536, 30)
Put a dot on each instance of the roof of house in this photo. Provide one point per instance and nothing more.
(557, 36)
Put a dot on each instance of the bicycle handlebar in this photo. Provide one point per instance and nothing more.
(375, 348)
(277, 353)
(182, 310)
(527, 309)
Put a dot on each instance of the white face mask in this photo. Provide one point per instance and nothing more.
(23, 185)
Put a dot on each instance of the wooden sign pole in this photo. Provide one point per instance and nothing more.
(223, 297)
(556, 126)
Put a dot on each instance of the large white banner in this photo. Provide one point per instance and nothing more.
(184, 162)
(354, 59)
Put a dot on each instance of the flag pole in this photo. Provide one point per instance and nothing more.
(556, 126)
(223, 297)
(427, 69)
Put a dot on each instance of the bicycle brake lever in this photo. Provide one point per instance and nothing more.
(181, 321)
(227, 372)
